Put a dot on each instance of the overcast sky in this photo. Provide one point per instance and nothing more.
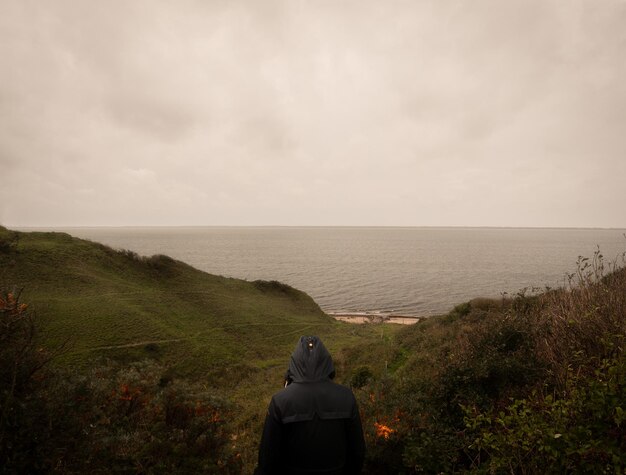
(262, 112)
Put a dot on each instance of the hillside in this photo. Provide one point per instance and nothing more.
(100, 299)
(158, 351)
(145, 320)
(530, 384)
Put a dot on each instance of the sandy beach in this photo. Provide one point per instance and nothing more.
(361, 318)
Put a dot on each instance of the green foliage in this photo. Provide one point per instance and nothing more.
(528, 384)
(360, 377)
(117, 308)
(478, 363)
(580, 431)
(134, 419)
(275, 287)
(497, 356)
(8, 240)
(476, 309)
(434, 449)
(381, 427)
(122, 418)
(460, 311)
(111, 304)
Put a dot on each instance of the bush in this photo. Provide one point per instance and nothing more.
(132, 419)
(573, 421)
(530, 384)
(382, 427)
(8, 240)
(114, 418)
(580, 431)
(360, 377)
(458, 312)
(21, 379)
(274, 286)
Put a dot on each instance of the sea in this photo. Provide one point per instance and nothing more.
(378, 270)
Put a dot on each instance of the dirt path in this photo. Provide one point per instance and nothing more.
(139, 343)
(174, 340)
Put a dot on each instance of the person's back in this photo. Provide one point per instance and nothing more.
(313, 425)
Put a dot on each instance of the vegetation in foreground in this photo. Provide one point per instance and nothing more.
(524, 384)
(529, 384)
(111, 322)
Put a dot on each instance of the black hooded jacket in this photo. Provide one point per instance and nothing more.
(313, 425)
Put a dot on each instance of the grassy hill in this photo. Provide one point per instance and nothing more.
(117, 304)
(524, 384)
(232, 336)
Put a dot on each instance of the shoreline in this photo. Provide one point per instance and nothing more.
(360, 318)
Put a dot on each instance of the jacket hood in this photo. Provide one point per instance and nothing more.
(310, 361)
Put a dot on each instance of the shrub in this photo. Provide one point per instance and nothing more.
(114, 418)
(22, 376)
(458, 312)
(572, 421)
(530, 384)
(274, 286)
(381, 426)
(360, 377)
(8, 240)
(580, 431)
(136, 422)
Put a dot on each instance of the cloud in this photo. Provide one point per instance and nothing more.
(291, 112)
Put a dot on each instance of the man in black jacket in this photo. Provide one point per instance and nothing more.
(313, 425)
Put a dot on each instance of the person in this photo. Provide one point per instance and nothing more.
(313, 425)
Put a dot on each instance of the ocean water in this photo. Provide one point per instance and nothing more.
(401, 271)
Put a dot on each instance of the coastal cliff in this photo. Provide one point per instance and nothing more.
(114, 361)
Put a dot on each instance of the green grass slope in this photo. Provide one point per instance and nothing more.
(115, 303)
(230, 336)
(527, 384)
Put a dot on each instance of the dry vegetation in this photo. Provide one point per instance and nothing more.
(534, 383)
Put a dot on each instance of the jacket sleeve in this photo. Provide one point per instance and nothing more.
(269, 450)
(356, 442)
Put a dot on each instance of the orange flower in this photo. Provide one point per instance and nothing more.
(383, 431)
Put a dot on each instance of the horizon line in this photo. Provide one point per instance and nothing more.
(363, 226)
